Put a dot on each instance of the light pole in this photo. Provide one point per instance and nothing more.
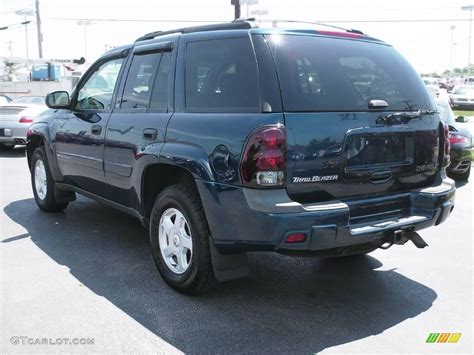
(469, 8)
(85, 23)
(452, 45)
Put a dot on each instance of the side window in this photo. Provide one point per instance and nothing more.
(159, 94)
(221, 75)
(137, 89)
(97, 92)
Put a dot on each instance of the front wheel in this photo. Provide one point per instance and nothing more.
(43, 183)
(179, 238)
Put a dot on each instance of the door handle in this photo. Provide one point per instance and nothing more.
(150, 133)
(96, 129)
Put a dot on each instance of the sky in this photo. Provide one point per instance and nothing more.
(420, 29)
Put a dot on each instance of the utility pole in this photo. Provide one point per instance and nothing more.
(26, 22)
(38, 29)
(236, 4)
(25, 13)
(469, 8)
(451, 62)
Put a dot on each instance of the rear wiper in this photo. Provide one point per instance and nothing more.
(392, 118)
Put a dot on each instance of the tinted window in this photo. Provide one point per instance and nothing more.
(97, 91)
(137, 89)
(159, 95)
(327, 74)
(221, 75)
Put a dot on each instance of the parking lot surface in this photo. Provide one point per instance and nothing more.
(88, 273)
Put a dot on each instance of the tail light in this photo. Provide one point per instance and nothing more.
(447, 143)
(26, 119)
(264, 159)
(455, 138)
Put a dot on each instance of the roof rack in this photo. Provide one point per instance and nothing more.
(275, 22)
(238, 24)
(234, 25)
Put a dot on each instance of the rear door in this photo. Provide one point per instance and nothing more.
(139, 119)
(338, 144)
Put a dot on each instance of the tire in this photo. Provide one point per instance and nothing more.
(5, 146)
(192, 273)
(462, 176)
(43, 189)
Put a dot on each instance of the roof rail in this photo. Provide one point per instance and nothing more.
(239, 24)
(234, 25)
(275, 22)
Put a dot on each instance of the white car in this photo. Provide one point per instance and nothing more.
(432, 85)
(16, 117)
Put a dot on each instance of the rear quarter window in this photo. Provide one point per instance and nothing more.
(221, 76)
(331, 74)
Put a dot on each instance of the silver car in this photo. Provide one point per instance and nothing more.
(16, 117)
(462, 97)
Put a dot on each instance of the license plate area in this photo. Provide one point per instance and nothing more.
(373, 150)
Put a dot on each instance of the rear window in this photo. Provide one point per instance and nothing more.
(328, 74)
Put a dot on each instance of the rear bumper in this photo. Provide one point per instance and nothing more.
(243, 219)
(460, 160)
(13, 132)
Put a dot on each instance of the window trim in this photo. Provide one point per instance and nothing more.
(85, 78)
(154, 48)
(192, 109)
(122, 89)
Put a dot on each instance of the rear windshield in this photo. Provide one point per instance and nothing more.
(328, 74)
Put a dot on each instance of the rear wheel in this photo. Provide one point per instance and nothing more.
(179, 238)
(43, 183)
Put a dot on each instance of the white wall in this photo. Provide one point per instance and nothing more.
(40, 88)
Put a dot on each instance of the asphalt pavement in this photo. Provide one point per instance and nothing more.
(87, 275)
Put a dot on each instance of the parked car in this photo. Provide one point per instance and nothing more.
(16, 117)
(230, 138)
(460, 138)
(462, 97)
(469, 80)
(454, 82)
(443, 83)
(432, 85)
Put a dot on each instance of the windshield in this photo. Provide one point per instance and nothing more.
(446, 114)
(328, 74)
(464, 91)
(32, 100)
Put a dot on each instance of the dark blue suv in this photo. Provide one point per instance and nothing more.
(230, 138)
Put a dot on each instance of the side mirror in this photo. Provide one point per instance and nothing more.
(58, 100)
(462, 119)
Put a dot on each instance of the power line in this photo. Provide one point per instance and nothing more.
(217, 21)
